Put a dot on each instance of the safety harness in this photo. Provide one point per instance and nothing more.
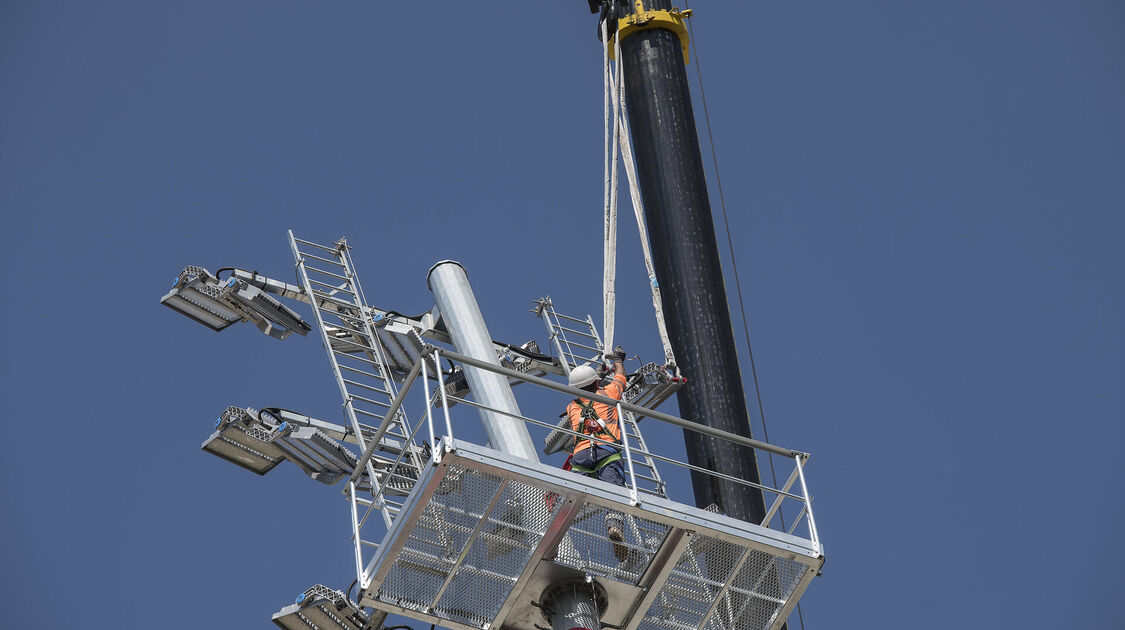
(589, 413)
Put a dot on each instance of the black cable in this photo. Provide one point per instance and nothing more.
(348, 593)
(273, 411)
(734, 266)
(230, 269)
(419, 316)
(527, 353)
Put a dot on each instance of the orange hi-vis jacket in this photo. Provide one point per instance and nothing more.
(607, 413)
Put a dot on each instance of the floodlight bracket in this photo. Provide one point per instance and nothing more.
(218, 304)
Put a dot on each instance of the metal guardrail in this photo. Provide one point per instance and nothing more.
(441, 442)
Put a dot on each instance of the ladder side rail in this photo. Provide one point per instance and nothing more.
(396, 404)
(350, 313)
(594, 334)
(303, 275)
(392, 470)
(355, 531)
(377, 344)
(561, 335)
(628, 461)
(631, 423)
(553, 337)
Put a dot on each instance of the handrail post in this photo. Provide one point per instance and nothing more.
(776, 506)
(359, 572)
(429, 414)
(808, 505)
(444, 400)
(628, 457)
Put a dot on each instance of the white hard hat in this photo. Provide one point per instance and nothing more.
(582, 376)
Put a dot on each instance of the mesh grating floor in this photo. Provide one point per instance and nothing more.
(587, 546)
(758, 591)
(705, 579)
(461, 559)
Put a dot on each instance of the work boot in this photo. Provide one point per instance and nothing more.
(620, 551)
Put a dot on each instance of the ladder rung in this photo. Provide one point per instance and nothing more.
(327, 249)
(327, 273)
(331, 262)
(396, 425)
(334, 287)
(370, 401)
(324, 297)
(573, 319)
(339, 315)
(367, 387)
(575, 343)
(361, 333)
(367, 413)
(577, 332)
(384, 457)
(357, 371)
(352, 343)
(347, 355)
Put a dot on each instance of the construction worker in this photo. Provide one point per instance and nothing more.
(598, 459)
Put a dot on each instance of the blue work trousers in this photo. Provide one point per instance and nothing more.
(612, 473)
(589, 457)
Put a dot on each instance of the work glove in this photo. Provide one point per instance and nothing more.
(618, 354)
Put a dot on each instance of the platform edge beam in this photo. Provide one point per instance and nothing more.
(658, 572)
(558, 528)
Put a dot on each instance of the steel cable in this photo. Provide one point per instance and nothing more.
(734, 267)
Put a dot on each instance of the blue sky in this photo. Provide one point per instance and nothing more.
(926, 202)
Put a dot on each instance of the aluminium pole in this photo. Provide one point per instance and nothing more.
(678, 217)
(458, 306)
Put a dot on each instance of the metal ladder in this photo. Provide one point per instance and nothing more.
(359, 362)
(583, 329)
(648, 477)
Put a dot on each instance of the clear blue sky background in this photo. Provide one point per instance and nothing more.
(926, 202)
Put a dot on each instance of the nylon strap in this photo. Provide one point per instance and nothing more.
(602, 464)
(615, 84)
(609, 242)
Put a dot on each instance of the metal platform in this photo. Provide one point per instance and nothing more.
(456, 534)
(483, 536)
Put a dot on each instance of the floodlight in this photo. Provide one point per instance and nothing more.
(321, 607)
(238, 439)
(196, 293)
(321, 457)
(558, 440)
(217, 304)
(243, 437)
